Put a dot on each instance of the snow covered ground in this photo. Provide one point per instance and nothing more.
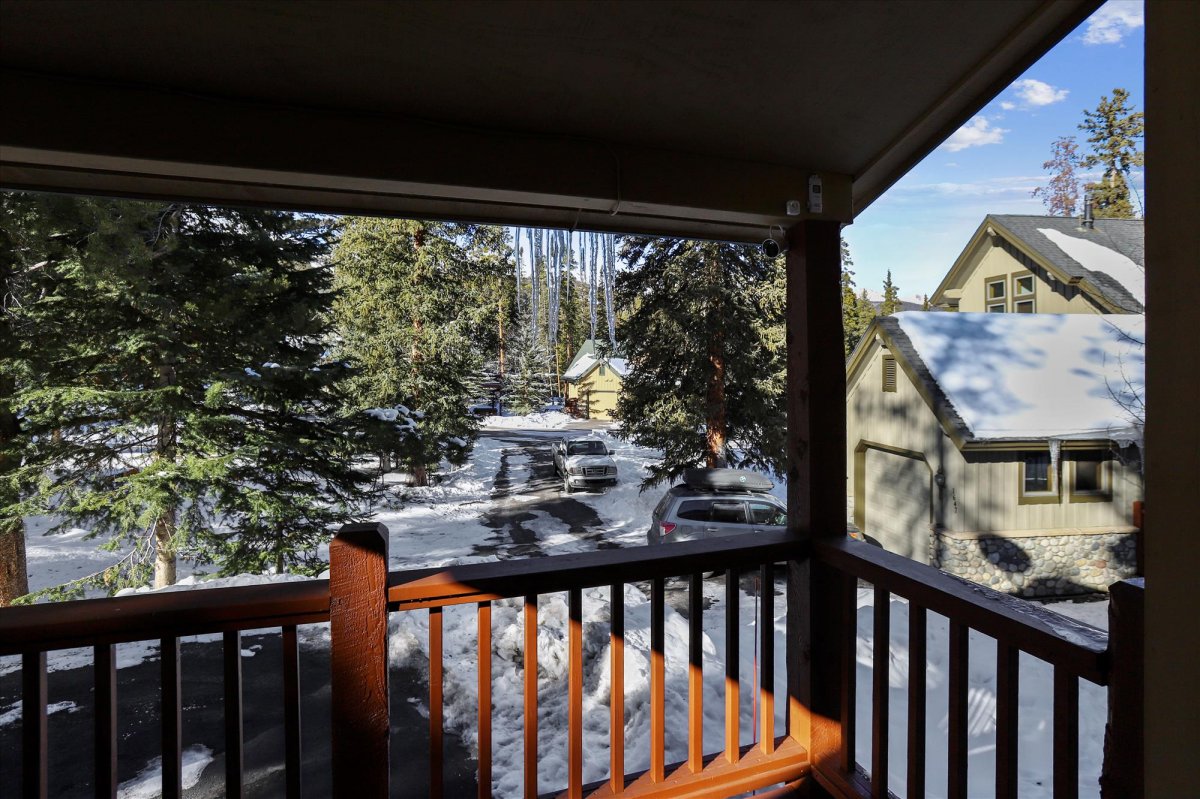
(545, 420)
(446, 523)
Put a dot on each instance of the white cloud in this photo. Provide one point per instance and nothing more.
(1035, 93)
(1113, 21)
(975, 133)
(1007, 106)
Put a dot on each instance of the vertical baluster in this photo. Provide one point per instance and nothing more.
(848, 640)
(917, 665)
(291, 712)
(33, 724)
(575, 694)
(531, 696)
(1008, 662)
(104, 667)
(732, 672)
(695, 673)
(957, 737)
(881, 659)
(484, 615)
(435, 703)
(172, 720)
(616, 699)
(658, 600)
(766, 662)
(1066, 734)
(232, 657)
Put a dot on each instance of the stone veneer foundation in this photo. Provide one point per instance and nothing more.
(1034, 565)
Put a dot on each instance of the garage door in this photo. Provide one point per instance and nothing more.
(897, 503)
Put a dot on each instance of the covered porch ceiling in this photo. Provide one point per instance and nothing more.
(686, 118)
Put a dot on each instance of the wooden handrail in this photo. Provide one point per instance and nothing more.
(1066, 643)
(476, 582)
(143, 617)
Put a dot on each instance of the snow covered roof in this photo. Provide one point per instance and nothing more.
(1028, 376)
(579, 367)
(582, 365)
(586, 357)
(1111, 256)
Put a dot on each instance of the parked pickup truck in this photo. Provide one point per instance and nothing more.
(584, 462)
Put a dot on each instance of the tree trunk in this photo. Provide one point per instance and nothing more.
(279, 562)
(420, 475)
(715, 422)
(164, 528)
(14, 575)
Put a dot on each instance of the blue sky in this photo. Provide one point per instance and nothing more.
(922, 223)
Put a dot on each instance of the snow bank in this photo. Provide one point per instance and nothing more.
(1098, 258)
(194, 582)
(548, 420)
(1035, 375)
(12, 713)
(148, 783)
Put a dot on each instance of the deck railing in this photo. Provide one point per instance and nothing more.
(361, 594)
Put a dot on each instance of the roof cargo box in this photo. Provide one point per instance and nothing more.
(726, 480)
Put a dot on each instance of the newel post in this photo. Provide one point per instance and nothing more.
(1123, 775)
(818, 605)
(358, 623)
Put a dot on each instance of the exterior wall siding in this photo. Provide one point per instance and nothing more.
(1051, 296)
(600, 392)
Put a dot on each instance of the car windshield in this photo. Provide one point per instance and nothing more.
(586, 448)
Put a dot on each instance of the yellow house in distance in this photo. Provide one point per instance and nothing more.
(593, 383)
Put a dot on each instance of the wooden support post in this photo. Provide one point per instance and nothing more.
(816, 442)
(1123, 774)
(358, 566)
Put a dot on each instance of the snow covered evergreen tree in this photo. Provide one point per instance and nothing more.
(528, 382)
(703, 342)
(409, 316)
(144, 411)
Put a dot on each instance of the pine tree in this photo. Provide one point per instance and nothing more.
(891, 297)
(144, 419)
(851, 329)
(925, 302)
(864, 312)
(1114, 130)
(702, 335)
(411, 319)
(1061, 193)
(528, 383)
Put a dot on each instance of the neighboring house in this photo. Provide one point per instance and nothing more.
(1050, 265)
(593, 382)
(1005, 449)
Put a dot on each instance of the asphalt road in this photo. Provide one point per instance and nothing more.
(70, 732)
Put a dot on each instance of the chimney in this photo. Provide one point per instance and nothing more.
(1088, 223)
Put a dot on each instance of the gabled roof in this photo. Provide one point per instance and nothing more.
(1022, 377)
(1107, 261)
(586, 359)
(1113, 277)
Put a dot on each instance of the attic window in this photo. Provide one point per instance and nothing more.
(889, 373)
(996, 292)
